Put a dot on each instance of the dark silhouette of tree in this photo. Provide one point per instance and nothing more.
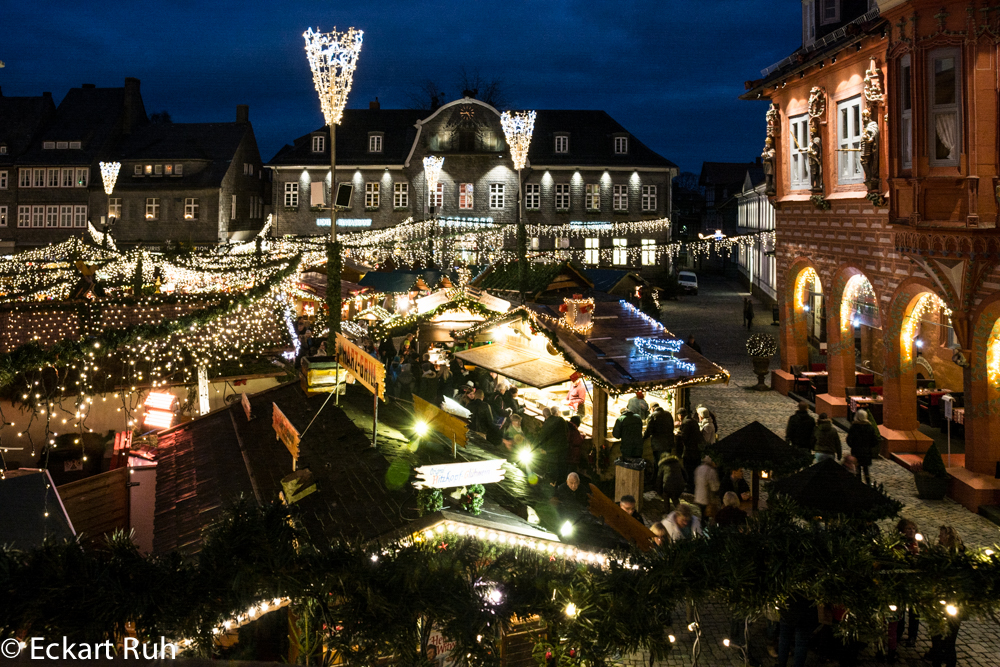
(427, 94)
(161, 117)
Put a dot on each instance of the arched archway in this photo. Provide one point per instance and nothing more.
(982, 404)
(853, 325)
(802, 315)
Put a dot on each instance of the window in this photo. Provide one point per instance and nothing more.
(619, 251)
(401, 195)
(371, 195)
(23, 216)
(465, 195)
(593, 198)
(52, 216)
(496, 195)
(831, 11)
(562, 247)
(169, 169)
(374, 143)
(48, 145)
(319, 143)
(905, 114)
(798, 145)
(532, 196)
(291, 195)
(66, 216)
(808, 22)
(943, 117)
(562, 196)
(649, 198)
(3, 149)
(178, 170)
(535, 243)
(149, 170)
(3, 180)
(37, 216)
(191, 208)
(158, 170)
(591, 251)
(25, 178)
(67, 178)
(82, 176)
(115, 207)
(562, 143)
(232, 207)
(621, 145)
(620, 198)
(438, 196)
(849, 141)
(74, 145)
(648, 252)
(80, 216)
(153, 208)
(39, 179)
(3, 216)
(137, 171)
(53, 179)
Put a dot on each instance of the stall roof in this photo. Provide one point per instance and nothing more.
(315, 282)
(607, 351)
(541, 278)
(521, 365)
(31, 510)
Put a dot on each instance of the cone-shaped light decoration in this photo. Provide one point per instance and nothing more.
(517, 127)
(109, 174)
(432, 171)
(332, 58)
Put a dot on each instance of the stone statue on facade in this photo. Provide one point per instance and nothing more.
(773, 118)
(815, 154)
(767, 160)
(870, 151)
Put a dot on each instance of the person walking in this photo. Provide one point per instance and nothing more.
(670, 481)
(553, 441)
(864, 443)
(660, 432)
(748, 314)
(799, 431)
(706, 424)
(826, 440)
(706, 487)
(628, 429)
(690, 444)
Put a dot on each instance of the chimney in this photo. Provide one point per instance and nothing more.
(242, 113)
(374, 105)
(133, 105)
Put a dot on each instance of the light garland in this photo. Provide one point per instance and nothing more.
(993, 356)
(333, 56)
(109, 174)
(806, 276)
(857, 288)
(518, 128)
(432, 172)
(928, 302)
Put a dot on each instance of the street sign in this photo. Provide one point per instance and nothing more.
(284, 431)
(948, 401)
(365, 368)
(459, 474)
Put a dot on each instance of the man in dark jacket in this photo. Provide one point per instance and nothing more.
(660, 431)
(628, 429)
(689, 445)
(553, 441)
(799, 432)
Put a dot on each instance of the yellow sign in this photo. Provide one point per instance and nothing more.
(284, 431)
(448, 425)
(365, 368)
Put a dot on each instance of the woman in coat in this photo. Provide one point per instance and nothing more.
(670, 480)
(863, 440)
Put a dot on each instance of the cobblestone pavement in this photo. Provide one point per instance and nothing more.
(714, 317)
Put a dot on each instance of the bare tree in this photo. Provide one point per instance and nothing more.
(491, 90)
(426, 95)
(160, 117)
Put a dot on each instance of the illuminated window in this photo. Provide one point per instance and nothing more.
(648, 252)
(80, 216)
(439, 196)
(620, 251)
(67, 178)
(82, 177)
(535, 243)
(944, 97)
(48, 145)
(849, 141)
(374, 143)
(532, 196)
(53, 180)
(371, 195)
(562, 247)
(3, 149)
(23, 216)
(153, 208)
(191, 208)
(232, 208)
(496, 195)
(74, 145)
(562, 196)
(318, 143)
(401, 195)
(3, 180)
(562, 143)
(66, 216)
(291, 195)
(149, 170)
(649, 198)
(905, 113)
(465, 195)
(593, 196)
(3, 216)
(115, 210)
(621, 145)
(592, 251)
(317, 194)
(620, 199)
(51, 216)
(798, 146)
(168, 169)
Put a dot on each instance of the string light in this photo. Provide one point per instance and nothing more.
(858, 294)
(109, 174)
(333, 56)
(518, 128)
(432, 172)
(928, 303)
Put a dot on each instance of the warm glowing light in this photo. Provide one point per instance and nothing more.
(571, 610)
(160, 400)
(518, 128)
(919, 538)
(858, 293)
(566, 529)
(725, 642)
(158, 419)
(421, 429)
(432, 172)
(806, 277)
(952, 610)
(333, 56)
(928, 303)
(109, 174)
(525, 456)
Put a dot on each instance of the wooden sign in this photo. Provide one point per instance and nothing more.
(619, 520)
(245, 402)
(448, 425)
(365, 368)
(284, 431)
(448, 475)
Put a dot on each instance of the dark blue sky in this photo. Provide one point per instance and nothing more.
(668, 70)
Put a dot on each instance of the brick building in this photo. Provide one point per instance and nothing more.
(882, 143)
(50, 180)
(582, 167)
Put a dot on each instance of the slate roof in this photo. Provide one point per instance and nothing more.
(605, 279)
(20, 120)
(540, 277)
(591, 142)
(25, 497)
(398, 126)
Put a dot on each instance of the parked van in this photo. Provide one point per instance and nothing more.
(688, 282)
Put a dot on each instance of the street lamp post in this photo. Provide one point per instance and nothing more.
(517, 128)
(109, 174)
(333, 56)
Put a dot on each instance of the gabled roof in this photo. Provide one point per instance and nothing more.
(541, 277)
(20, 120)
(591, 142)
(31, 510)
(215, 143)
(724, 173)
(397, 125)
(605, 280)
(753, 178)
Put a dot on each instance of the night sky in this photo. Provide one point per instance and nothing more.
(670, 71)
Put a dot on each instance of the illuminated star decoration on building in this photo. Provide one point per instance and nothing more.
(333, 57)
(517, 128)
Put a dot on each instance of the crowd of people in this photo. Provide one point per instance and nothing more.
(820, 437)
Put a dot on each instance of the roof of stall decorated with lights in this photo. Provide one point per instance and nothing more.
(621, 349)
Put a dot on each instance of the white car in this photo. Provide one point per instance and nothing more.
(688, 281)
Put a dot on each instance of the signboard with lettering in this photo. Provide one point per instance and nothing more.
(365, 368)
(284, 431)
(245, 402)
(448, 425)
(459, 474)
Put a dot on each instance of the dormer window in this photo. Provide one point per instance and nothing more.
(3, 149)
(375, 142)
(74, 145)
(48, 145)
(830, 11)
(621, 145)
(318, 143)
(562, 143)
(62, 145)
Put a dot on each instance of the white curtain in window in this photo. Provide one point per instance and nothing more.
(946, 125)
